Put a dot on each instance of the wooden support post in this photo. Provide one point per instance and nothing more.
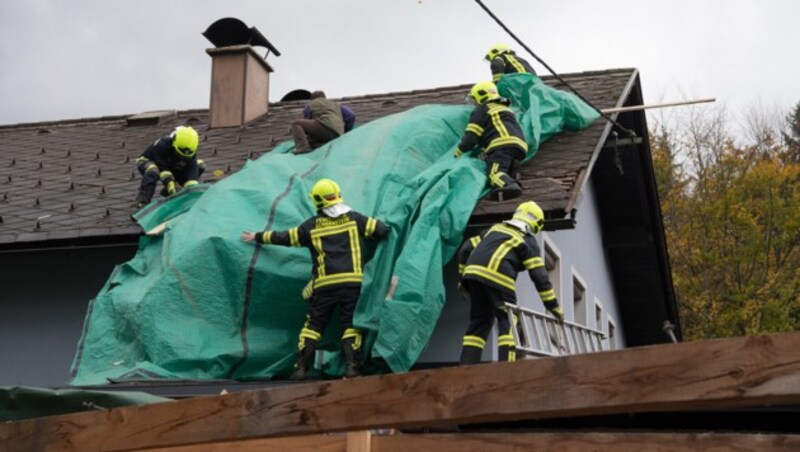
(753, 371)
(360, 441)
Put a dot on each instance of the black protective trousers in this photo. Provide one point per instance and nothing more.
(151, 174)
(325, 300)
(486, 304)
(506, 162)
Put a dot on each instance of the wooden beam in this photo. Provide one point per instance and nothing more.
(705, 375)
(648, 107)
(512, 442)
(616, 441)
(336, 442)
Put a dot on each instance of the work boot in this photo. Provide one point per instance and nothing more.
(470, 355)
(304, 358)
(351, 360)
(510, 191)
(301, 144)
(141, 201)
(505, 187)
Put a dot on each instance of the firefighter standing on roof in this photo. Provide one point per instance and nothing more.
(172, 159)
(494, 127)
(488, 265)
(503, 60)
(335, 238)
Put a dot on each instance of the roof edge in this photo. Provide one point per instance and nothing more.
(577, 196)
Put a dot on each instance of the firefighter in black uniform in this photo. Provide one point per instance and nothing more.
(504, 61)
(495, 129)
(335, 238)
(488, 264)
(171, 159)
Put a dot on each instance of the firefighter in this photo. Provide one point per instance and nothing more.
(488, 265)
(172, 159)
(335, 238)
(494, 128)
(503, 60)
(323, 120)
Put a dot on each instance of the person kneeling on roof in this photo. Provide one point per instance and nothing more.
(323, 120)
(172, 159)
(488, 265)
(494, 127)
(335, 238)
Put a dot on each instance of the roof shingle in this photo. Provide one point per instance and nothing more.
(76, 179)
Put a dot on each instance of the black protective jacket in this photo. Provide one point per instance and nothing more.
(493, 125)
(163, 154)
(335, 243)
(509, 63)
(498, 254)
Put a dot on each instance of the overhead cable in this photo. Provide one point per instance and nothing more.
(519, 41)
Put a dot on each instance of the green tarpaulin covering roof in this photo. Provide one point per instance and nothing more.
(198, 303)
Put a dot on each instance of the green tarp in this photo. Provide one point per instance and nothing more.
(198, 303)
(19, 402)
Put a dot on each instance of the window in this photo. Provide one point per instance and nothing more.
(552, 263)
(612, 335)
(598, 315)
(579, 299)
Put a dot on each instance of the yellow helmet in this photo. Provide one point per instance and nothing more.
(483, 92)
(531, 214)
(325, 193)
(185, 140)
(496, 50)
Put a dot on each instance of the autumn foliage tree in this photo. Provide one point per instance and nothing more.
(732, 217)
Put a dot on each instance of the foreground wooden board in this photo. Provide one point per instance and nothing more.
(739, 372)
(511, 442)
(616, 442)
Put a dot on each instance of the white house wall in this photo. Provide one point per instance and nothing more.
(582, 253)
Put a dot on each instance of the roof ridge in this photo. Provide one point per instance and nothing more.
(365, 97)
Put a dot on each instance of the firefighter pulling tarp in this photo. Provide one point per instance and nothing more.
(198, 303)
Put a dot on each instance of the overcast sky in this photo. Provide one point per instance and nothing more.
(73, 59)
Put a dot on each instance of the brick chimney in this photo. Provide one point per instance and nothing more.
(239, 85)
(239, 75)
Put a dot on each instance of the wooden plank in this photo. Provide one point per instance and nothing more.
(707, 375)
(360, 441)
(616, 442)
(336, 442)
(663, 105)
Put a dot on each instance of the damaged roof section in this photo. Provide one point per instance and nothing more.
(75, 181)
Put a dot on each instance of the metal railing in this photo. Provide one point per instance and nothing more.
(540, 334)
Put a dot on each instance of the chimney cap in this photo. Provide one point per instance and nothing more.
(297, 94)
(230, 31)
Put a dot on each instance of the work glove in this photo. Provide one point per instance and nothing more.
(558, 314)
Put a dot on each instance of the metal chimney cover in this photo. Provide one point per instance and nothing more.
(230, 31)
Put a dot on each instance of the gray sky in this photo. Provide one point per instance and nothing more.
(73, 59)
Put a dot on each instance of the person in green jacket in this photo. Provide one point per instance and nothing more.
(323, 120)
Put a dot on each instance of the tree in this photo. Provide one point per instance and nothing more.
(792, 135)
(733, 227)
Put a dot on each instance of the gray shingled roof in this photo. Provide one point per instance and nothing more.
(76, 179)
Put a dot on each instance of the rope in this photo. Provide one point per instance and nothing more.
(630, 132)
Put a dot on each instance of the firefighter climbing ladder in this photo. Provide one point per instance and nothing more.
(538, 334)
